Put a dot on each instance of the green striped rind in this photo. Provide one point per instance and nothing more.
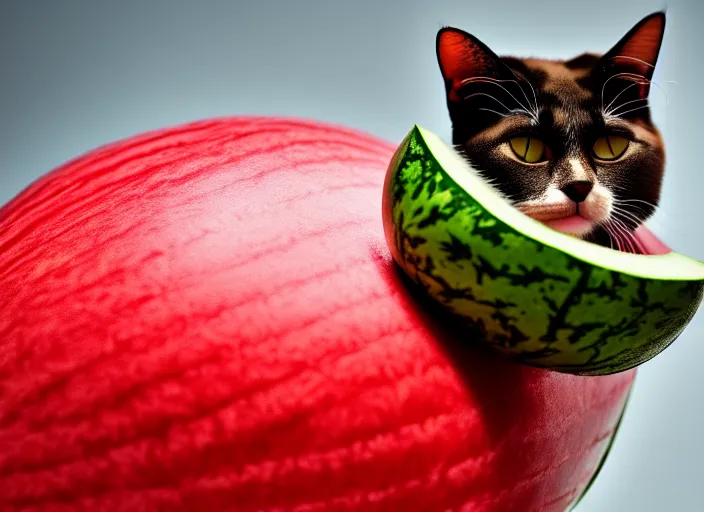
(532, 301)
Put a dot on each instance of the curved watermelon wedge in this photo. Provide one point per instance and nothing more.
(541, 297)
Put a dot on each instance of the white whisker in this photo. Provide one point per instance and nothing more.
(648, 209)
(617, 75)
(510, 111)
(611, 240)
(632, 237)
(631, 200)
(618, 116)
(611, 112)
(619, 234)
(482, 79)
(623, 229)
(619, 210)
(617, 97)
(494, 111)
(624, 215)
(613, 236)
(628, 57)
(647, 203)
(608, 111)
(535, 97)
(619, 245)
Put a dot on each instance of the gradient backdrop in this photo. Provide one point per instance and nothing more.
(78, 74)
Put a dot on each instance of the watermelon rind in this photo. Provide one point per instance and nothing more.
(539, 296)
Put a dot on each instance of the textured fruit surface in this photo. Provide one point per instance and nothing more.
(530, 300)
(207, 317)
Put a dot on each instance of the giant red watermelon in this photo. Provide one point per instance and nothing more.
(207, 317)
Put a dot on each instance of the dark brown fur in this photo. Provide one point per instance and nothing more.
(569, 100)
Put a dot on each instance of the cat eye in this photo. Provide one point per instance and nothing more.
(610, 147)
(528, 149)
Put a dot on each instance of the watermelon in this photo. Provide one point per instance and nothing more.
(533, 294)
(207, 317)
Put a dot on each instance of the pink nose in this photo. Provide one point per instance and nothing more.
(578, 190)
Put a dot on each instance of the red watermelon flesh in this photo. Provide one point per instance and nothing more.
(207, 317)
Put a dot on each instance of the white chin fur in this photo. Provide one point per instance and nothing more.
(598, 205)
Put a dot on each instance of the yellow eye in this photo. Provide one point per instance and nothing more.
(528, 149)
(610, 147)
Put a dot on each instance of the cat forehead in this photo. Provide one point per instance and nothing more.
(564, 79)
(562, 87)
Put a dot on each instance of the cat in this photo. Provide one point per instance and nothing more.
(570, 143)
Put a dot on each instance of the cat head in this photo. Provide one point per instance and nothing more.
(570, 143)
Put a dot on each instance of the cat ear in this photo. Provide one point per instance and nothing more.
(634, 56)
(462, 56)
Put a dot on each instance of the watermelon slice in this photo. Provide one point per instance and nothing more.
(541, 297)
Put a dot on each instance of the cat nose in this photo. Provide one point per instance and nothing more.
(578, 190)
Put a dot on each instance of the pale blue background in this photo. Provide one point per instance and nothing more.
(76, 74)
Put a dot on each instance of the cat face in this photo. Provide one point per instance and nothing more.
(570, 143)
